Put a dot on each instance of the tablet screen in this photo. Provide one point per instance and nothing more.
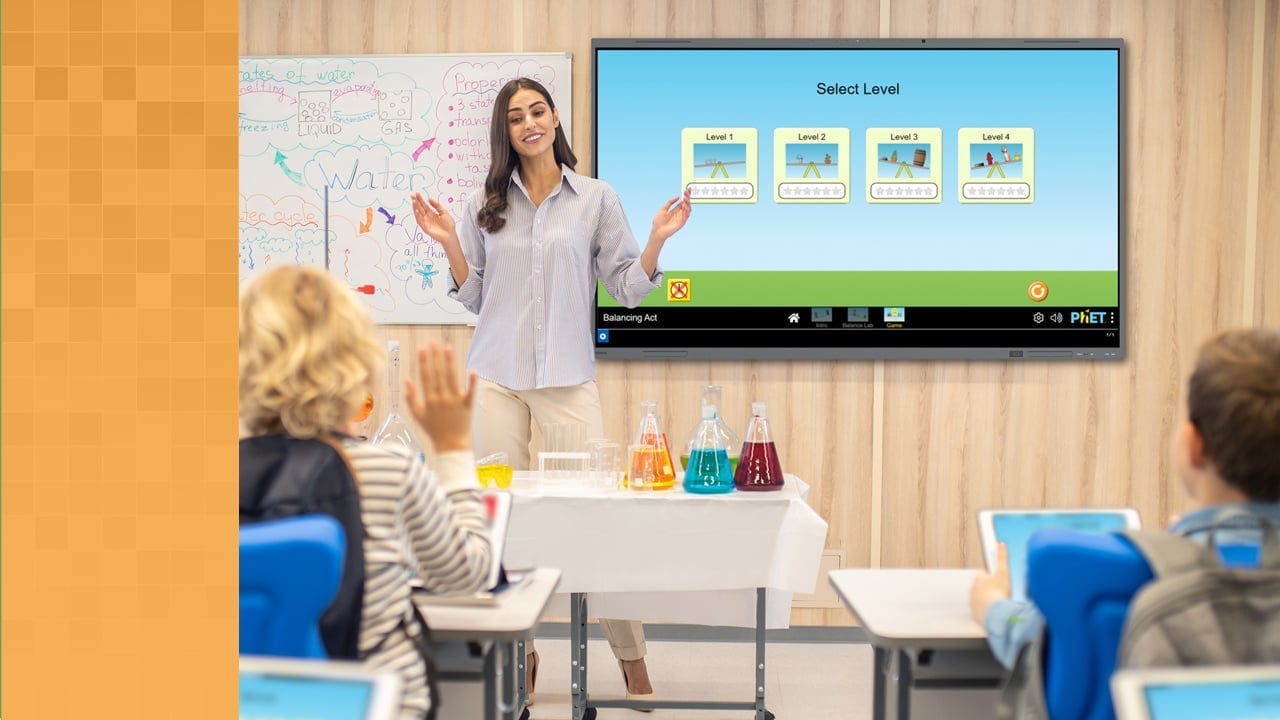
(289, 697)
(1015, 529)
(1240, 700)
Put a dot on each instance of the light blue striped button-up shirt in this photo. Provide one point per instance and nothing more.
(533, 282)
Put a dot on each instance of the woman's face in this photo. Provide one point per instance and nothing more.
(531, 123)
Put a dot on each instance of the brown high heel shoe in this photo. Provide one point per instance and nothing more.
(531, 675)
(630, 695)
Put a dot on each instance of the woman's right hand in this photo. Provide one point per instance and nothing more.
(434, 220)
(444, 409)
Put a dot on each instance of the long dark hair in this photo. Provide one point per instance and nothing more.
(504, 159)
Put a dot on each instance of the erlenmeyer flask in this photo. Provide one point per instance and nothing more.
(708, 469)
(759, 468)
(650, 462)
(729, 440)
(395, 430)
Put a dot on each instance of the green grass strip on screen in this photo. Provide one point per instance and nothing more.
(940, 288)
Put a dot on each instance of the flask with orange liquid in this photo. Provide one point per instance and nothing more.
(650, 466)
(362, 415)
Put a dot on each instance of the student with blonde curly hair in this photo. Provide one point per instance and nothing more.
(307, 355)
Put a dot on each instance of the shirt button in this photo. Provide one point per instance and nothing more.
(539, 299)
(539, 327)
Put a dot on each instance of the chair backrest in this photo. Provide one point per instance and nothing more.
(289, 572)
(1083, 584)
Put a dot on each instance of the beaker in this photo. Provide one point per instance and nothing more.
(759, 469)
(708, 468)
(605, 464)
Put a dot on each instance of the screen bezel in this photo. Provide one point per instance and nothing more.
(826, 352)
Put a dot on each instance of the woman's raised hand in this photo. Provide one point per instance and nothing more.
(434, 220)
(673, 215)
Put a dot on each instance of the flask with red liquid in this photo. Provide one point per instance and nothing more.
(758, 467)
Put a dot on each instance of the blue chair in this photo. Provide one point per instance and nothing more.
(289, 572)
(1083, 584)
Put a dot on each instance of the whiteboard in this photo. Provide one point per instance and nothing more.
(332, 147)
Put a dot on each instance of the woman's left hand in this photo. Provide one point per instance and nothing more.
(673, 215)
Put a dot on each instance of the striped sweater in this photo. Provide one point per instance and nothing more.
(422, 530)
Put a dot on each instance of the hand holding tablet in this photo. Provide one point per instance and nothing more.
(1014, 528)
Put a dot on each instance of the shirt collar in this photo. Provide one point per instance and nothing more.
(1229, 516)
(568, 178)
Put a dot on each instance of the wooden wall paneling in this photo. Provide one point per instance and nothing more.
(280, 27)
(1267, 268)
(1102, 428)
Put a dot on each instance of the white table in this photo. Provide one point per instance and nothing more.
(730, 560)
(502, 626)
(919, 625)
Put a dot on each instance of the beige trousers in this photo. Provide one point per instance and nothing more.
(500, 423)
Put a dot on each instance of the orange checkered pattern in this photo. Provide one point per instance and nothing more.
(119, 284)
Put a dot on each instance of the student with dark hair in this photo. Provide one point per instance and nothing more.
(1226, 452)
(525, 256)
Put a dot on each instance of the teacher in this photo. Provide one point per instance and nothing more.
(525, 257)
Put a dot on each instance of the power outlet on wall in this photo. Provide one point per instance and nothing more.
(823, 596)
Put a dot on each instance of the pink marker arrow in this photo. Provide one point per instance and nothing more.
(426, 145)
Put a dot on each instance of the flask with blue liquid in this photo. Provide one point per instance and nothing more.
(708, 470)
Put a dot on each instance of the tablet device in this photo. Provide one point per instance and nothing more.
(1235, 692)
(498, 507)
(1014, 527)
(293, 689)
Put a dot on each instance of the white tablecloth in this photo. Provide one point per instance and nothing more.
(669, 556)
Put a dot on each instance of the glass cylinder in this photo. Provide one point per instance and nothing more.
(759, 468)
(729, 440)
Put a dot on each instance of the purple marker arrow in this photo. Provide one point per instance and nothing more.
(391, 219)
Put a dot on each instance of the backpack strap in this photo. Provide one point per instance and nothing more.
(1169, 554)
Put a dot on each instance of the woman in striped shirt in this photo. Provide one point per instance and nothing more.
(307, 354)
(525, 256)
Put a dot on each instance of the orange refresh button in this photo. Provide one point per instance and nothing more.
(1038, 291)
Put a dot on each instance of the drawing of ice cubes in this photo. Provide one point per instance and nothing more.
(395, 105)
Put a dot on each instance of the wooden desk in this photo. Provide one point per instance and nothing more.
(921, 631)
(501, 627)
